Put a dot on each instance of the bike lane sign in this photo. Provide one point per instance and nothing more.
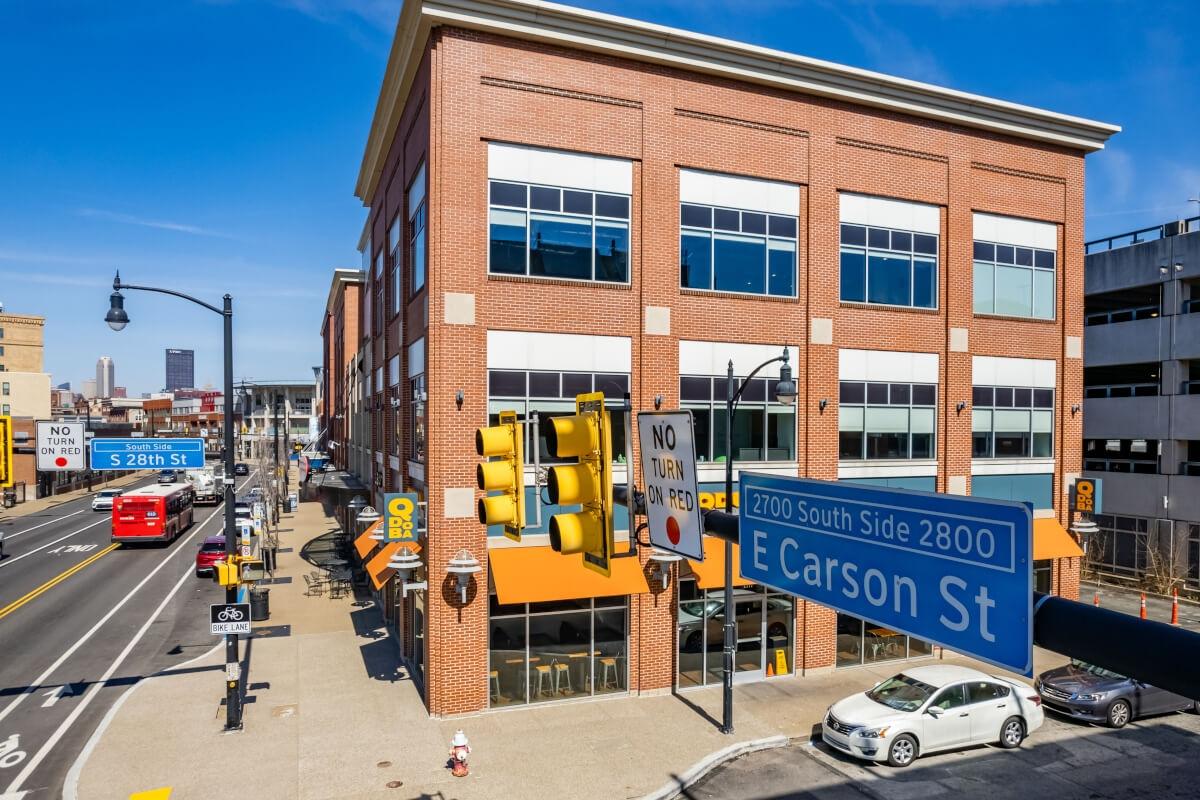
(229, 618)
(951, 570)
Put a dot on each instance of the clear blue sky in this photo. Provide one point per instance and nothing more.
(213, 146)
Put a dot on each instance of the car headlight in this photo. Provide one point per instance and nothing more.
(1092, 696)
(873, 733)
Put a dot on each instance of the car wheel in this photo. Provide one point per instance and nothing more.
(693, 642)
(1012, 733)
(903, 751)
(1119, 713)
(1195, 704)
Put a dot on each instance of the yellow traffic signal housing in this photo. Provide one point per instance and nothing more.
(587, 437)
(6, 451)
(225, 573)
(504, 472)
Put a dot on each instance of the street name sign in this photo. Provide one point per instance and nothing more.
(60, 446)
(948, 569)
(147, 453)
(226, 618)
(669, 473)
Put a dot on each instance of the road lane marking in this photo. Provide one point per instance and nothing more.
(111, 613)
(8, 536)
(50, 584)
(9, 561)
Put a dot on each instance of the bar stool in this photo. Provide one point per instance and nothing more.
(608, 673)
(562, 670)
(494, 680)
(544, 682)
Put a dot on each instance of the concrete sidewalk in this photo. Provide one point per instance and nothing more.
(43, 503)
(331, 715)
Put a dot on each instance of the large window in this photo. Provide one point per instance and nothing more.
(539, 652)
(763, 430)
(765, 632)
(1012, 422)
(1122, 455)
(419, 396)
(548, 232)
(862, 642)
(416, 231)
(1014, 281)
(888, 267)
(397, 296)
(886, 420)
(553, 394)
(728, 250)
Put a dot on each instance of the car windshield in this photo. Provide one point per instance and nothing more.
(901, 693)
(110, 493)
(1097, 671)
(213, 547)
(699, 608)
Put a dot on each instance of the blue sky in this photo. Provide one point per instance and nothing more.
(213, 146)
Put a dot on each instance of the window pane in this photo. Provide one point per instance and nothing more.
(781, 434)
(877, 237)
(695, 389)
(850, 418)
(695, 216)
(507, 241)
(854, 234)
(850, 392)
(850, 445)
(560, 247)
(1043, 445)
(901, 240)
(612, 385)
(754, 223)
(543, 384)
(701, 418)
(1043, 398)
(877, 393)
(886, 420)
(981, 444)
(922, 445)
(985, 251)
(887, 445)
(1004, 254)
(506, 384)
(726, 220)
(1043, 259)
(612, 251)
(755, 391)
(854, 275)
(748, 434)
(695, 260)
(609, 665)
(1024, 257)
(981, 421)
(1004, 397)
(781, 268)
(739, 264)
(984, 277)
(508, 194)
(889, 280)
(922, 420)
(982, 396)
(782, 226)
(924, 394)
(577, 202)
(612, 205)
(1022, 398)
(1042, 422)
(900, 394)
(1043, 294)
(574, 383)
(924, 243)
(924, 283)
(1014, 291)
(544, 198)
(507, 660)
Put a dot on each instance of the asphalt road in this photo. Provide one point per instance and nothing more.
(81, 620)
(1157, 758)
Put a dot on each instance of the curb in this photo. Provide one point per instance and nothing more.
(701, 768)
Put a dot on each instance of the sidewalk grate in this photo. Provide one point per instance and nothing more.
(272, 632)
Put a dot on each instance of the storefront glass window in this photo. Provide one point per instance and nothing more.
(764, 632)
(861, 642)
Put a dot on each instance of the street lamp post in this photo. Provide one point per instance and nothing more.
(785, 392)
(117, 319)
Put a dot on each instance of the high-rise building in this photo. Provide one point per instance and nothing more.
(105, 377)
(89, 388)
(181, 369)
(120, 392)
(65, 386)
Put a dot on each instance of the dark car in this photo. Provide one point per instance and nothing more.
(167, 476)
(241, 469)
(212, 549)
(1085, 691)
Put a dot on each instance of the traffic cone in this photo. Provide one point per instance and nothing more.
(770, 670)
(1143, 614)
(1174, 606)
(1096, 599)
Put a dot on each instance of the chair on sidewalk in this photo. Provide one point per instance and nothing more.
(312, 589)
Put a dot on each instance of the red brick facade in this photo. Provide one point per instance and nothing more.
(473, 88)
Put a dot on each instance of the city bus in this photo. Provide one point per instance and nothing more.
(153, 513)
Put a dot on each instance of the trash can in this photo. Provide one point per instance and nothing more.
(260, 604)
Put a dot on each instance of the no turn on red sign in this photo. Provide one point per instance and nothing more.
(60, 446)
(669, 473)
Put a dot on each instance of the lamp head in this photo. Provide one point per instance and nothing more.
(116, 317)
(785, 389)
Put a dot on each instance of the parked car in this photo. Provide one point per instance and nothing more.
(241, 511)
(212, 549)
(103, 500)
(241, 469)
(932, 708)
(1085, 691)
(166, 476)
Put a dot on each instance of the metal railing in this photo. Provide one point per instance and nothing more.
(1150, 234)
(1123, 315)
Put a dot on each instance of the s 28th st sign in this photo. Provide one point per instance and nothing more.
(948, 569)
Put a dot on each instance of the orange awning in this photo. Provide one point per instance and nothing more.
(365, 544)
(538, 574)
(378, 567)
(710, 573)
(1051, 540)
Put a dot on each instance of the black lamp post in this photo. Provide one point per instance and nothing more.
(117, 319)
(785, 392)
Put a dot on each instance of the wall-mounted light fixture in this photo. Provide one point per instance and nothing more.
(458, 398)
(406, 563)
(1179, 267)
(962, 405)
(821, 404)
(662, 561)
(463, 566)
(1074, 409)
(658, 400)
(1162, 269)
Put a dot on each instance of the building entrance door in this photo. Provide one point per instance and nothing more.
(748, 658)
(417, 661)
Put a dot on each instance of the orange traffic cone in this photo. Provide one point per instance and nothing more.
(770, 670)
(1143, 614)
(1096, 599)
(1174, 606)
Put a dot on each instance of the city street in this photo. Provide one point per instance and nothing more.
(1064, 760)
(81, 620)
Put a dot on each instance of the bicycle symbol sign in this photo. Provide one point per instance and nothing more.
(226, 618)
(10, 756)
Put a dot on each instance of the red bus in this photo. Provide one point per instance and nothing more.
(153, 513)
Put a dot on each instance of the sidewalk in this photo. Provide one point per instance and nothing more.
(329, 715)
(43, 503)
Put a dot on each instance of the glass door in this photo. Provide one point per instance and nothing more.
(748, 658)
(418, 630)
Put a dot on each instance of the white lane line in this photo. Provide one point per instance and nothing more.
(10, 561)
(8, 536)
(91, 631)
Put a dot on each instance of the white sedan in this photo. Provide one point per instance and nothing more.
(103, 500)
(932, 708)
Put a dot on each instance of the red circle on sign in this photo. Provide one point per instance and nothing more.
(672, 530)
(60, 462)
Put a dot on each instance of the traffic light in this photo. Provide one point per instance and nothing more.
(587, 437)
(225, 572)
(6, 451)
(504, 472)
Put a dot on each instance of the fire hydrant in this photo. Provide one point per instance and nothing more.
(459, 749)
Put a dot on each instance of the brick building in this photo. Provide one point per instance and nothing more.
(561, 201)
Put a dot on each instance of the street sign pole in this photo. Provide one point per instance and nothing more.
(233, 695)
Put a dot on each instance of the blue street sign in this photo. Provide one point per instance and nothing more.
(948, 569)
(147, 453)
